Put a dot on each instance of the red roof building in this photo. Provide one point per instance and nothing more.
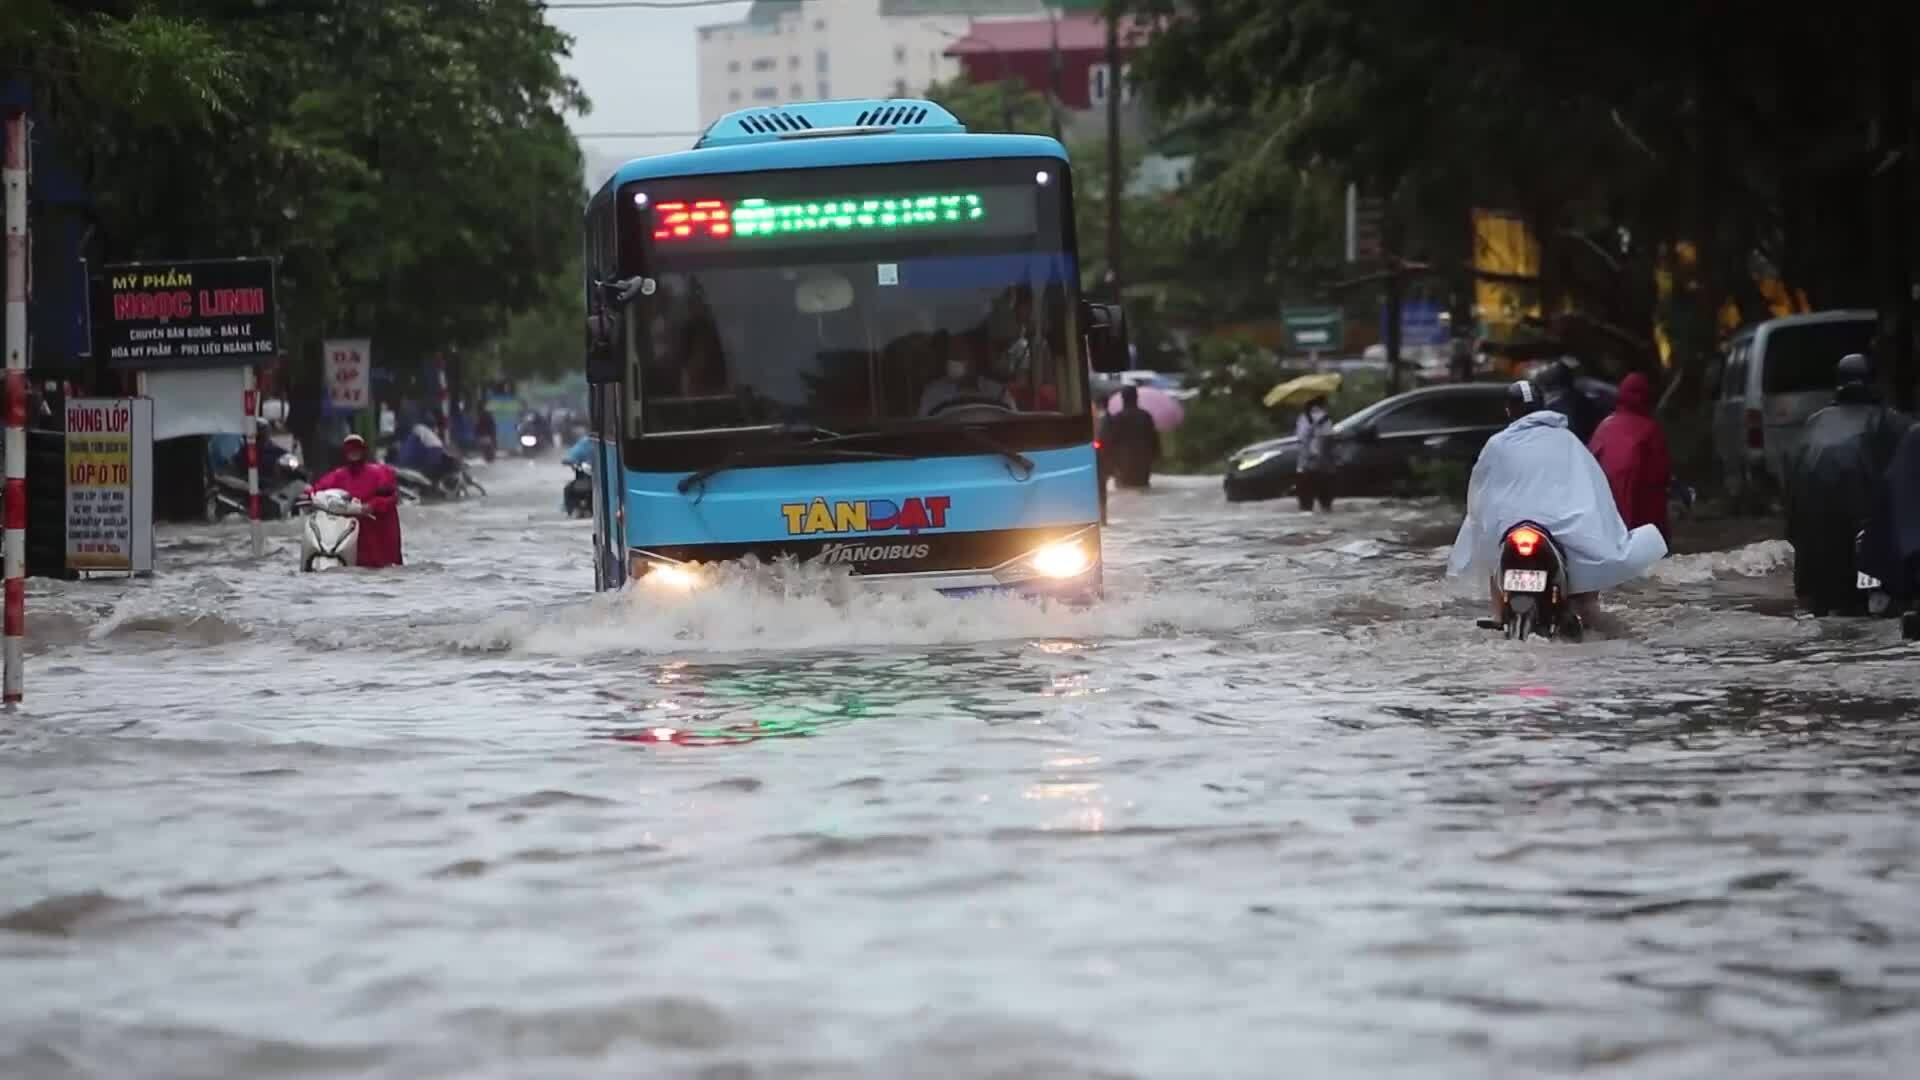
(996, 50)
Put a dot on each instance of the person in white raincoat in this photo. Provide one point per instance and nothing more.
(1537, 470)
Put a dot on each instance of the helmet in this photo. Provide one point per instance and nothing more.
(1522, 398)
(1853, 370)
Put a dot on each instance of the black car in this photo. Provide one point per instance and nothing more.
(1375, 449)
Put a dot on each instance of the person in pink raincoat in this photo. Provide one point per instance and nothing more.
(373, 484)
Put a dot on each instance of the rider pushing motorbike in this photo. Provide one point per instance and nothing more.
(373, 485)
(1537, 470)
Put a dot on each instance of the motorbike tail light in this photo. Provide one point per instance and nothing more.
(1756, 431)
(1096, 444)
(1524, 541)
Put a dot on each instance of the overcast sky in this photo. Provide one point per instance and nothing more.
(637, 66)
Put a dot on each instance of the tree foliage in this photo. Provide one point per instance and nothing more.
(407, 160)
(1621, 132)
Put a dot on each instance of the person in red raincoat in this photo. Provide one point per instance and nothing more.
(373, 484)
(1632, 451)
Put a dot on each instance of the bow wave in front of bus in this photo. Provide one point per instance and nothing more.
(848, 333)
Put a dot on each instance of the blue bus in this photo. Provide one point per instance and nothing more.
(848, 333)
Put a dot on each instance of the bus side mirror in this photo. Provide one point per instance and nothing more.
(604, 333)
(1106, 337)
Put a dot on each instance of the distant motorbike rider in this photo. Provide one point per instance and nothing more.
(373, 485)
(1560, 383)
(424, 452)
(1832, 485)
(1129, 441)
(1536, 470)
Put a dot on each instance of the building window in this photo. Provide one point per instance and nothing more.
(899, 88)
(798, 91)
(1097, 84)
(820, 61)
(766, 93)
(793, 63)
(733, 96)
(899, 54)
(824, 93)
(765, 63)
(819, 24)
(733, 66)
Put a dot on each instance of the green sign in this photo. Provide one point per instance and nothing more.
(1315, 329)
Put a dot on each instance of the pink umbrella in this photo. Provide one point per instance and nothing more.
(1160, 405)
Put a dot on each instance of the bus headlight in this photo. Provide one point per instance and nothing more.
(673, 577)
(1068, 558)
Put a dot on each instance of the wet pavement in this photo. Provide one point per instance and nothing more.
(1276, 808)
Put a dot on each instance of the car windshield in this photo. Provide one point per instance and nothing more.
(854, 345)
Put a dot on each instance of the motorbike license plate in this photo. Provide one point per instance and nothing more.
(1524, 581)
(1864, 581)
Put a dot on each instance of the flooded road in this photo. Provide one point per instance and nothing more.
(1276, 808)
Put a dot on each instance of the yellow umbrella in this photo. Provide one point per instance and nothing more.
(1303, 389)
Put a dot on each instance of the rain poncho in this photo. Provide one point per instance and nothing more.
(1311, 433)
(1536, 470)
(1833, 483)
(1632, 451)
(373, 484)
(581, 452)
(1131, 444)
(1893, 540)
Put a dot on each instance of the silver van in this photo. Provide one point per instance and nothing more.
(1777, 374)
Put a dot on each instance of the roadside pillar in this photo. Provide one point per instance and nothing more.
(14, 178)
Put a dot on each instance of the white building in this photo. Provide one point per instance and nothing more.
(810, 50)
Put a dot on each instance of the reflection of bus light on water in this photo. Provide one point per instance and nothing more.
(819, 338)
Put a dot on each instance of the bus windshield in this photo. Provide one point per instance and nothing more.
(895, 296)
(846, 345)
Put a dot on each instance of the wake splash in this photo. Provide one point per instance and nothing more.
(1757, 560)
(789, 607)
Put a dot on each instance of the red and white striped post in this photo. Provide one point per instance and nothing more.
(15, 180)
(252, 450)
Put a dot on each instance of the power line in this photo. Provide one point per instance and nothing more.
(635, 134)
(656, 5)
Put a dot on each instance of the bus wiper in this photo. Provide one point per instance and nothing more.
(974, 434)
(987, 442)
(756, 455)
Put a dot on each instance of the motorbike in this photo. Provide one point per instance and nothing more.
(1533, 587)
(282, 481)
(576, 498)
(456, 482)
(330, 535)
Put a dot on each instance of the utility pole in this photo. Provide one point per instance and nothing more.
(1894, 179)
(1113, 147)
(1053, 72)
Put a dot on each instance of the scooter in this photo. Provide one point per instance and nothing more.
(282, 481)
(576, 498)
(1533, 586)
(330, 535)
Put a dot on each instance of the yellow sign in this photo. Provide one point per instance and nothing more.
(109, 484)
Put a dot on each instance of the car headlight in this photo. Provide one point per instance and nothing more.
(291, 462)
(529, 440)
(1258, 457)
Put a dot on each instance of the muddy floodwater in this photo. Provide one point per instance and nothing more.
(1275, 809)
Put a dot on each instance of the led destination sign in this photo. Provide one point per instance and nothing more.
(759, 221)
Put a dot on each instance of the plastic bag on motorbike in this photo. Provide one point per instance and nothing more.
(1536, 470)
